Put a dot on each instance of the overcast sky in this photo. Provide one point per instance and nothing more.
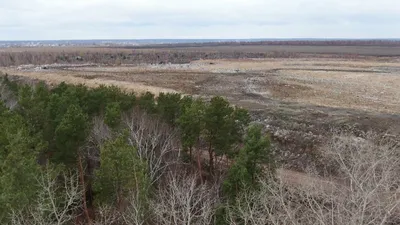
(133, 19)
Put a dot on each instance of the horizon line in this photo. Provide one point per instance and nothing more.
(205, 39)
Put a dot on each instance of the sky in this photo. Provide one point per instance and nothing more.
(200, 19)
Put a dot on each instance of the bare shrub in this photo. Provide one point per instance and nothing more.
(364, 191)
(184, 201)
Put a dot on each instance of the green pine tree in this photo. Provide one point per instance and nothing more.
(249, 164)
(18, 164)
(191, 124)
(121, 172)
(70, 134)
(168, 106)
(224, 126)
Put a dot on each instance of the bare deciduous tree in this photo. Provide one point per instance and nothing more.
(364, 190)
(135, 211)
(155, 141)
(7, 96)
(183, 201)
(99, 133)
(107, 215)
(57, 203)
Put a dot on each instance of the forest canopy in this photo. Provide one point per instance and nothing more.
(72, 154)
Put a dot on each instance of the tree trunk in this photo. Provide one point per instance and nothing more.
(210, 154)
(199, 165)
(82, 179)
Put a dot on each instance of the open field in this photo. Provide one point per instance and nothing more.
(363, 85)
(299, 93)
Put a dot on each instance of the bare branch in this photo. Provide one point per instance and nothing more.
(155, 141)
(56, 203)
(184, 201)
(366, 193)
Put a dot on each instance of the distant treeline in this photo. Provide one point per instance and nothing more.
(118, 57)
(344, 42)
(187, 52)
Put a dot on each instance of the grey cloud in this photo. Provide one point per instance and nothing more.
(65, 19)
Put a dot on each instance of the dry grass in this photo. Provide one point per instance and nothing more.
(365, 91)
(56, 78)
(363, 84)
